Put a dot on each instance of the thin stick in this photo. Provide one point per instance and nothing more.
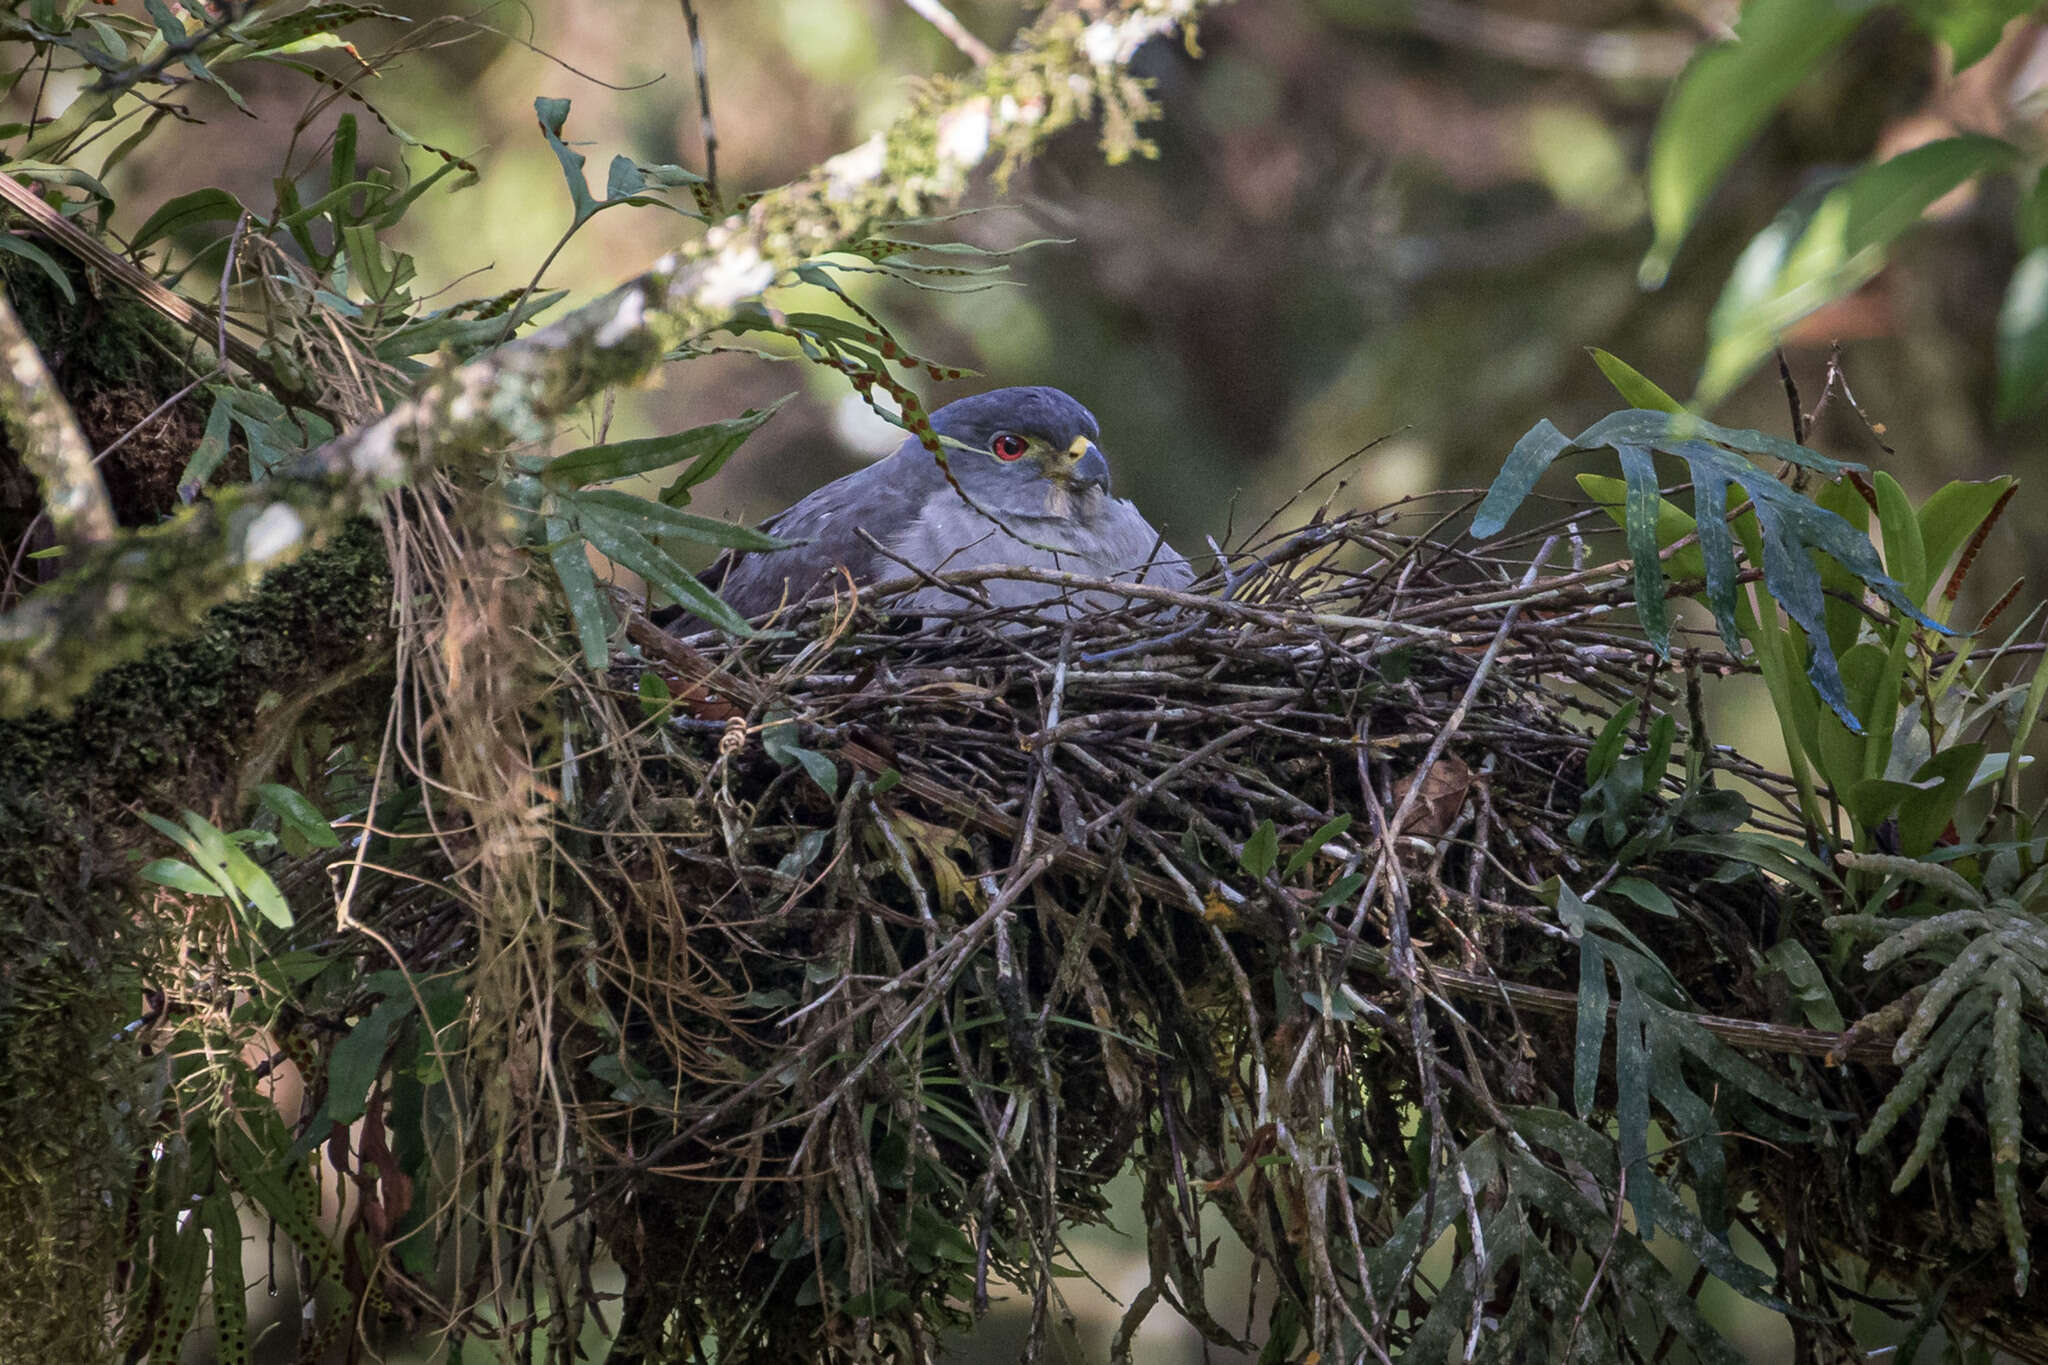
(942, 19)
(702, 69)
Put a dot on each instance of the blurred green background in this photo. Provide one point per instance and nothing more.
(1392, 220)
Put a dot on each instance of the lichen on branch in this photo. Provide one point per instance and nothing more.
(145, 588)
(48, 439)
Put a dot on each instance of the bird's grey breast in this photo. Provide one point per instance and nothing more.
(1098, 537)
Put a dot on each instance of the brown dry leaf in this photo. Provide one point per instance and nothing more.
(1444, 789)
(935, 844)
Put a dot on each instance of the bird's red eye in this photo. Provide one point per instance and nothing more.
(1009, 446)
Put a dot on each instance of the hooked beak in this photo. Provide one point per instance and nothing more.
(1085, 466)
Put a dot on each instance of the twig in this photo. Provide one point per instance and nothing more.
(701, 67)
(939, 17)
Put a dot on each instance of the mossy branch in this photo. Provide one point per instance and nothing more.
(147, 586)
(47, 436)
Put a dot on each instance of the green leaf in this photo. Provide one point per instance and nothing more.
(174, 32)
(587, 606)
(1648, 895)
(29, 251)
(1573, 913)
(1673, 523)
(779, 742)
(176, 215)
(353, 1066)
(707, 448)
(180, 1272)
(2023, 337)
(1809, 985)
(1840, 745)
(1314, 843)
(1721, 100)
(624, 545)
(821, 769)
(655, 696)
(255, 883)
(1538, 449)
(230, 1289)
(462, 336)
(1844, 610)
(180, 877)
(1970, 28)
(1341, 891)
(1844, 243)
(1952, 514)
(1716, 811)
(287, 33)
(1634, 389)
(552, 113)
(1905, 555)
(211, 450)
(299, 813)
(1940, 783)
(1872, 801)
(257, 1160)
(1607, 748)
(1260, 851)
(1791, 525)
(1632, 1084)
(623, 179)
(1639, 526)
(341, 157)
(209, 853)
(651, 518)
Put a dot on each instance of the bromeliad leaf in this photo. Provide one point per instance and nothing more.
(1792, 525)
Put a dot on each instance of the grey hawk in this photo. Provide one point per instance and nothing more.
(1037, 496)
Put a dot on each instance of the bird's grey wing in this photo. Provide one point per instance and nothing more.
(829, 520)
(1128, 546)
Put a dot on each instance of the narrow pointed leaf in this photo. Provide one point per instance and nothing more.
(2023, 337)
(1721, 100)
(709, 445)
(629, 549)
(652, 518)
(587, 607)
(1639, 524)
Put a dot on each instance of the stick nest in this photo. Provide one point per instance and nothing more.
(891, 941)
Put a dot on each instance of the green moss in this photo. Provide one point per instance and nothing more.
(165, 731)
(103, 339)
(157, 729)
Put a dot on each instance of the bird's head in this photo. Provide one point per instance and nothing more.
(1027, 452)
